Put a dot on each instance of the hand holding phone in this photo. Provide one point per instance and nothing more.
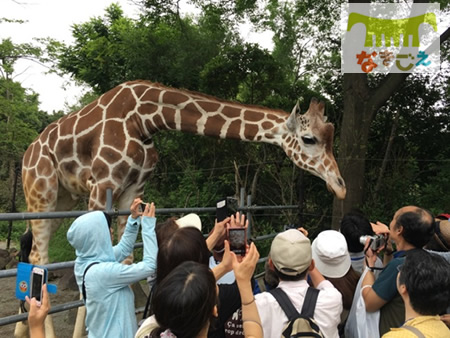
(221, 210)
(142, 207)
(38, 278)
(237, 237)
(38, 313)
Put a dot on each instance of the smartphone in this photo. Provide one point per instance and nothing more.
(237, 237)
(221, 210)
(142, 207)
(37, 280)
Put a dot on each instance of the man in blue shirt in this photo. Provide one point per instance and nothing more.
(411, 228)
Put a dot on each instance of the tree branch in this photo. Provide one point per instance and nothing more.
(393, 81)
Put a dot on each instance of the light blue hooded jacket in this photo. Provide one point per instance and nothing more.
(109, 299)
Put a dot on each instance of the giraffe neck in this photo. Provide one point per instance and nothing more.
(163, 108)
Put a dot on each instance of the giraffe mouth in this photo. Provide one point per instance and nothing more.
(339, 192)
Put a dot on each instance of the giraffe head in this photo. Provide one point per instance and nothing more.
(309, 144)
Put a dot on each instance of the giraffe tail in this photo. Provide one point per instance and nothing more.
(26, 241)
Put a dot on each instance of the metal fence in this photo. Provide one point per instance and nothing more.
(249, 209)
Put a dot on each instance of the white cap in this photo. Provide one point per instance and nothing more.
(330, 254)
(190, 220)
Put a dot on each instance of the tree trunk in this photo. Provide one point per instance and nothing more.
(386, 154)
(356, 121)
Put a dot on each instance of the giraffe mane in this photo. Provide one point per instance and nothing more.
(213, 98)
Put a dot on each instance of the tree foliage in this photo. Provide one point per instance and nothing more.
(404, 160)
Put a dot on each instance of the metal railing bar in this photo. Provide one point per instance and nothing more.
(21, 216)
(54, 309)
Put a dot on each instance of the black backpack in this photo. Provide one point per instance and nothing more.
(299, 324)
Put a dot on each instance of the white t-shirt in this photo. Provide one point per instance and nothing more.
(327, 313)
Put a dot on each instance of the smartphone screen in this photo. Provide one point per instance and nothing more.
(221, 210)
(37, 278)
(142, 207)
(238, 240)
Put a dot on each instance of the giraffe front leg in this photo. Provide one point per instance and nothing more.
(80, 329)
(21, 329)
(41, 230)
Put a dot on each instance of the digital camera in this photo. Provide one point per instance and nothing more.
(377, 241)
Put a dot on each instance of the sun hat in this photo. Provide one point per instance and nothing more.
(330, 254)
(290, 252)
(442, 234)
(190, 220)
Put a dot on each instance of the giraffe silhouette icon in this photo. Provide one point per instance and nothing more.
(392, 28)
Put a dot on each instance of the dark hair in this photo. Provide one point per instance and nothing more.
(346, 285)
(184, 300)
(270, 276)
(186, 244)
(165, 230)
(283, 276)
(418, 226)
(427, 280)
(354, 225)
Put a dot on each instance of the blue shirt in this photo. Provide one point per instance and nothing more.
(386, 284)
(109, 299)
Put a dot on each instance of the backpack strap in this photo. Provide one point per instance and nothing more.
(309, 304)
(414, 330)
(285, 303)
(83, 288)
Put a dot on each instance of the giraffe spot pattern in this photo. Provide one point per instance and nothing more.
(86, 144)
(86, 121)
(114, 135)
(209, 106)
(253, 116)
(234, 129)
(213, 125)
(175, 98)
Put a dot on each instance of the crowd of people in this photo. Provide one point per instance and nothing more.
(365, 280)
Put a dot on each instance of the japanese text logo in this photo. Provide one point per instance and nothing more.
(395, 38)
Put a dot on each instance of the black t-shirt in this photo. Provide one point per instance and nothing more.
(229, 302)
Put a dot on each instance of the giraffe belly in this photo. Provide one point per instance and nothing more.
(75, 184)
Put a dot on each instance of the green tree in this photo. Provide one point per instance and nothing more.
(98, 56)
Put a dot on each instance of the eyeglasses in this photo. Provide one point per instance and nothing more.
(399, 267)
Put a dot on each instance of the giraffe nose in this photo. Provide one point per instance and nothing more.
(341, 181)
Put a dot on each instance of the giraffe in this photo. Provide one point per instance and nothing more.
(108, 145)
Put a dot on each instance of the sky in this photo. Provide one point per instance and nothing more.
(54, 18)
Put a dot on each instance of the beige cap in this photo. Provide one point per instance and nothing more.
(291, 252)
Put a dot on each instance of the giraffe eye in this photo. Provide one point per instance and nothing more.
(309, 140)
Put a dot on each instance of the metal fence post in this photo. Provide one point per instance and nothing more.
(249, 215)
(109, 199)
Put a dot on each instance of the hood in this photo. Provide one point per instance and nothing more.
(89, 235)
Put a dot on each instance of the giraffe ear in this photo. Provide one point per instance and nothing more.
(291, 122)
